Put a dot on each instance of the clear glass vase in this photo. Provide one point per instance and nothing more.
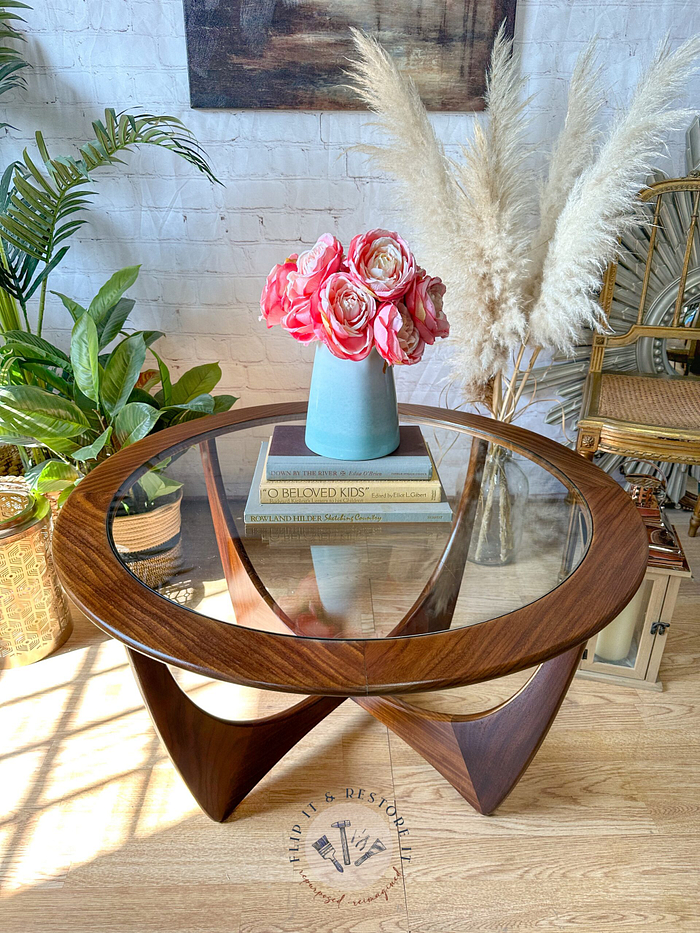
(500, 512)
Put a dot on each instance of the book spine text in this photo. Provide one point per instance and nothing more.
(291, 492)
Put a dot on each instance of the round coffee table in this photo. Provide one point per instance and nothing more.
(365, 611)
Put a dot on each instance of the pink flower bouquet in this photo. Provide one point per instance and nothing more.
(376, 296)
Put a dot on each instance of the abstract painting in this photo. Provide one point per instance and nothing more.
(293, 54)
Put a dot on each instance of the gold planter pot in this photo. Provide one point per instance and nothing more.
(34, 617)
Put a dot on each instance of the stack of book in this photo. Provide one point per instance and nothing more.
(292, 484)
(665, 549)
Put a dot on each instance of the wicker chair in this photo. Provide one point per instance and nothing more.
(646, 416)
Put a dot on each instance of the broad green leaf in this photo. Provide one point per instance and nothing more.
(92, 450)
(151, 484)
(138, 395)
(203, 403)
(150, 336)
(169, 486)
(156, 486)
(166, 393)
(85, 404)
(115, 320)
(64, 446)
(54, 476)
(48, 377)
(224, 402)
(194, 382)
(84, 349)
(32, 473)
(134, 422)
(121, 372)
(76, 310)
(182, 416)
(29, 346)
(63, 498)
(110, 293)
(33, 411)
(18, 440)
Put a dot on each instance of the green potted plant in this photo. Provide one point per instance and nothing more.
(70, 411)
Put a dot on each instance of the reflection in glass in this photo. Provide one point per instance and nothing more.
(359, 580)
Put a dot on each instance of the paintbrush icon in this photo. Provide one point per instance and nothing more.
(325, 849)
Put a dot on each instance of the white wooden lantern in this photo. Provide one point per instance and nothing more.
(628, 651)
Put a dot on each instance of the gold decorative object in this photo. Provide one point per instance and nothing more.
(10, 460)
(650, 416)
(646, 490)
(34, 618)
(565, 375)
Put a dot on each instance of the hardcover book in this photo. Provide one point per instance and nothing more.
(291, 459)
(365, 512)
(295, 491)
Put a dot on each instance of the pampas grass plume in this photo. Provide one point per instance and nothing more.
(507, 286)
(603, 203)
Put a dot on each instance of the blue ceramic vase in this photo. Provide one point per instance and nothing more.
(353, 414)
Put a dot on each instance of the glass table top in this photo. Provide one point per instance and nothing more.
(351, 580)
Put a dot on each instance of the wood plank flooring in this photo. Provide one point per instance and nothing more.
(99, 835)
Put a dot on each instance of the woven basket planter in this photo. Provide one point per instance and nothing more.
(149, 542)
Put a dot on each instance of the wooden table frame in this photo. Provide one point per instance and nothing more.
(483, 755)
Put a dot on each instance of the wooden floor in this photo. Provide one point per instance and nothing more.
(98, 833)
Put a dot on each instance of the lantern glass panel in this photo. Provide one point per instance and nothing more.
(618, 643)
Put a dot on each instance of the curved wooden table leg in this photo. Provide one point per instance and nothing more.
(219, 760)
(483, 755)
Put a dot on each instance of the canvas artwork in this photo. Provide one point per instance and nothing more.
(293, 54)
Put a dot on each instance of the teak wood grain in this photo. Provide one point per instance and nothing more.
(219, 760)
(482, 755)
(607, 577)
(222, 761)
(602, 834)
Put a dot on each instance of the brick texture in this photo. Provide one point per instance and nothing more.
(204, 249)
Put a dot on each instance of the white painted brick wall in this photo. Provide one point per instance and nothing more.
(205, 250)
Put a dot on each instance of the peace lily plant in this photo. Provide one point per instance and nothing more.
(80, 407)
(69, 411)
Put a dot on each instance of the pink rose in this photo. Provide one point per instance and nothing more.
(396, 336)
(382, 262)
(314, 266)
(344, 311)
(300, 320)
(424, 303)
(274, 303)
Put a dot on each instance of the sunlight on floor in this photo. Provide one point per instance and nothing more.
(53, 813)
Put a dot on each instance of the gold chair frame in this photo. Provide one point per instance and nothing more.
(598, 428)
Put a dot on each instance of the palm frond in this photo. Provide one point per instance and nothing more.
(43, 206)
(12, 64)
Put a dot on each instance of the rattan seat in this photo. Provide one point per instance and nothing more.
(651, 417)
(666, 403)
